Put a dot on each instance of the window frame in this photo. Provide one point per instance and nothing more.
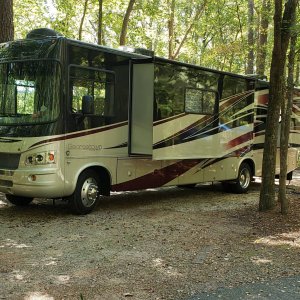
(70, 94)
(201, 100)
(59, 91)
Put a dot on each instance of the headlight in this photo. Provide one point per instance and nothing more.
(41, 158)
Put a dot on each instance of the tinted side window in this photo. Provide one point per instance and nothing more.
(103, 75)
(168, 90)
(95, 83)
(233, 86)
(177, 87)
(235, 100)
(90, 57)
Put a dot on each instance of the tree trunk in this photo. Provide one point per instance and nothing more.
(82, 19)
(189, 28)
(263, 37)
(125, 22)
(100, 26)
(171, 29)
(282, 25)
(6, 21)
(287, 106)
(297, 74)
(284, 139)
(172, 52)
(250, 61)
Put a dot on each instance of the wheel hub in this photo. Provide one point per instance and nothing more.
(244, 178)
(89, 192)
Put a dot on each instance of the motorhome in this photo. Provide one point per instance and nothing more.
(79, 120)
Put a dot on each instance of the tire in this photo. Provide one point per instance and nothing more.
(187, 186)
(86, 194)
(18, 200)
(227, 186)
(289, 176)
(242, 183)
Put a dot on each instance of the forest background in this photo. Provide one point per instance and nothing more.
(228, 35)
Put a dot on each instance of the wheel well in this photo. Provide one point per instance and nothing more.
(104, 177)
(251, 164)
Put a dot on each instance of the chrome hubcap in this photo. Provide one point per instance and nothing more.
(244, 178)
(89, 192)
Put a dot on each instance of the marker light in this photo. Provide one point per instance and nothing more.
(32, 177)
(51, 156)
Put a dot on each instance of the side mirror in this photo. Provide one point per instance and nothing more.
(87, 105)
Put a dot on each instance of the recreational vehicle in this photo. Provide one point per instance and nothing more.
(78, 121)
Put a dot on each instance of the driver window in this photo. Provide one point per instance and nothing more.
(95, 83)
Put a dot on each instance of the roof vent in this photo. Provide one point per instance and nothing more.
(41, 33)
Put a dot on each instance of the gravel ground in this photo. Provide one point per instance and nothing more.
(170, 243)
(287, 288)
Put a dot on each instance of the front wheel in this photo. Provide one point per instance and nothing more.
(86, 194)
(18, 200)
(243, 181)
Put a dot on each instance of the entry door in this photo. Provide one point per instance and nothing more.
(141, 116)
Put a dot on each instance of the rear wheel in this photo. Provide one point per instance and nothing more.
(242, 183)
(86, 194)
(18, 200)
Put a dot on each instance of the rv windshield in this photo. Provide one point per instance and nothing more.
(29, 92)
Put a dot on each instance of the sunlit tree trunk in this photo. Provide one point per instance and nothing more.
(125, 22)
(82, 19)
(171, 29)
(250, 61)
(173, 53)
(100, 25)
(6, 21)
(263, 38)
(189, 29)
(282, 26)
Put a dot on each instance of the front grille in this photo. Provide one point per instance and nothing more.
(9, 161)
(6, 183)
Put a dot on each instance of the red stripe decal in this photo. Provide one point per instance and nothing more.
(79, 134)
(240, 140)
(263, 99)
(157, 178)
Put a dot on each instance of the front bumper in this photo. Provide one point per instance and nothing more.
(36, 183)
